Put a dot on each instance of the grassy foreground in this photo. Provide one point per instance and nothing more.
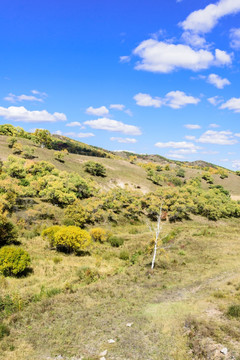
(179, 311)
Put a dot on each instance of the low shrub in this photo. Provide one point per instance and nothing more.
(116, 241)
(87, 274)
(124, 255)
(99, 234)
(4, 331)
(234, 311)
(95, 168)
(14, 261)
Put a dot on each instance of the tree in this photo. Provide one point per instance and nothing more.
(158, 230)
(43, 137)
(28, 152)
(8, 231)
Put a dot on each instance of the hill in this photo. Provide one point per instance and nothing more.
(88, 224)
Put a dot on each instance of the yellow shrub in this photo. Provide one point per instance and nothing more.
(99, 234)
(50, 232)
(71, 238)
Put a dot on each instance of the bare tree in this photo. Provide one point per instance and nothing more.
(158, 231)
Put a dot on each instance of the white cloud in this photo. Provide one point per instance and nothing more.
(217, 137)
(235, 38)
(192, 126)
(74, 123)
(204, 20)
(238, 134)
(175, 155)
(177, 145)
(215, 100)
(174, 99)
(101, 111)
(119, 107)
(214, 125)
(194, 40)
(128, 112)
(123, 140)
(125, 59)
(19, 98)
(113, 125)
(146, 100)
(58, 132)
(217, 81)
(20, 113)
(163, 57)
(40, 93)
(236, 164)
(178, 99)
(84, 135)
(190, 137)
(232, 104)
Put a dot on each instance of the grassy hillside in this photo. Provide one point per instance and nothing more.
(69, 304)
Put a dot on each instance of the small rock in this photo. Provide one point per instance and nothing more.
(129, 324)
(111, 341)
(224, 351)
(103, 353)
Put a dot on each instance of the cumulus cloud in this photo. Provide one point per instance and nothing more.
(119, 107)
(215, 100)
(173, 99)
(20, 113)
(113, 125)
(147, 100)
(101, 111)
(217, 137)
(84, 135)
(163, 57)
(19, 98)
(204, 20)
(235, 38)
(124, 140)
(74, 123)
(74, 134)
(178, 145)
(192, 126)
(178, 99)
(193, 39)
(217, 81)
(232, 104)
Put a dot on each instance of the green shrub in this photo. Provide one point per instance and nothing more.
(50, 232)
(115, 241)
(68, 238)
(14, 261)
(4, 331)
(180, 173)
(234, 311)
(59, 156)
(28, 152)
(11, 141)
(95, 168)
(124, 255)
(87, 274)
(8, 231)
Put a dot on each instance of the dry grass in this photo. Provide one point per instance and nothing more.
(187, 284)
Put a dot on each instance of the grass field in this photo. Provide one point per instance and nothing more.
(178, 311)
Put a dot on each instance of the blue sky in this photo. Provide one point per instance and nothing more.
(150, 76)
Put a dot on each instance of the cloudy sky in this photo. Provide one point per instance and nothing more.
(148, 76)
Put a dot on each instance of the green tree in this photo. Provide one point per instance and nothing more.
(43, 137)
(95, 168)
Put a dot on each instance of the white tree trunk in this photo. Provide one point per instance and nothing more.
(158, 230)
